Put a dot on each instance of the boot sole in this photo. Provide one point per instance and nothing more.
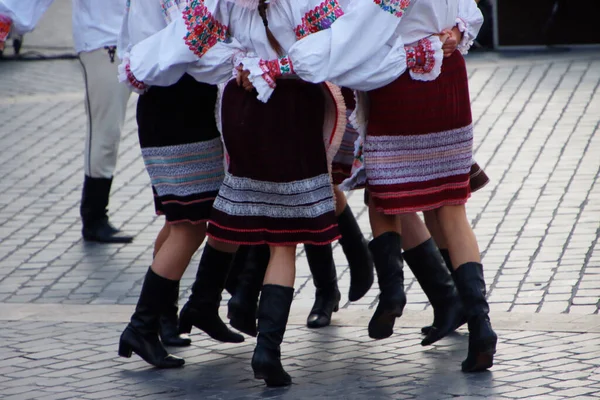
(328, 322)
(384, 324)
(484, 358)
(270, 380)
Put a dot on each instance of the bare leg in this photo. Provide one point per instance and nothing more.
(282, 266)
(458, 234)
(340, 201)
(177, 250)
(414, 231)
(160, 238)
(382, 223)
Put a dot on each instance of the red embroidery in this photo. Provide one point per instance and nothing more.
(132, 80)
(420, 59)
(204, 30)
(319, 19)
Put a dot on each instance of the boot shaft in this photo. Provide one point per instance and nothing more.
(386, 250)
(321, 265)
(211, 275)
(94, 199)
(427, 265)
(471, 287)
(273, 313)
(153, 301)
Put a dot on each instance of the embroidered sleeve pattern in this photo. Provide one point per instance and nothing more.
(394, 7)
(424, 60)
(170, 6)
(5, 24)
(320, 18)
(273, 69)
(204, 30)
(127, 77)
(420, 58)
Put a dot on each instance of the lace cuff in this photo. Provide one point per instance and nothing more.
(424, 60)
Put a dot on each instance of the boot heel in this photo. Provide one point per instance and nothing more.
(336, 308)
(125, 350)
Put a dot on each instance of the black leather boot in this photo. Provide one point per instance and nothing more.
(327, 296)
(141, 334)
(243, 303)
(237, 265)
(482, 338)
(356, 249)
(427, 265)
(446, 256)
(273, 313)
(202, 308)
(169, 334)
(387, 254)
(94, 203)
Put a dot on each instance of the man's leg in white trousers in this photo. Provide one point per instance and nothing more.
(105, 103)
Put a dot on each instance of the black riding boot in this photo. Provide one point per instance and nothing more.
(169, 334)
(427, 265)
(273, 313)
(202, 308)
(387, 254)
(141, 334)
(356, 249)
(242, 305)
(327, 296)
(482, 338)
(93, 210)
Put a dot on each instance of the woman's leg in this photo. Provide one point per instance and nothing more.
(426, 263)
(273, 312)
(386, 248)
(161, 283)
(202, 308)
(355, 247)
(468, 276)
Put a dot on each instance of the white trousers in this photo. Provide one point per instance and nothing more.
(105, 104)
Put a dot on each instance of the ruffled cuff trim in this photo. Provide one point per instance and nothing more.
(5, 24)
(467, 39)
(127, 77)
(264, 74)
(425, 59)
(258, 78)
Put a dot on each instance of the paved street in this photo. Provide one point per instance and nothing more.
(63, 303)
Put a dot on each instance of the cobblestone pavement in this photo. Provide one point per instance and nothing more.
(63, 302)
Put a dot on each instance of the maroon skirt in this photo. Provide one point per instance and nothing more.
(277, 189)
(184, 158)
(418, 152)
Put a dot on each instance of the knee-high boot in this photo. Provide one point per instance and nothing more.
(202, 308)
(387, 254)
(141, 334)
(273, 313)
(327, 296)
(356, 249)
(427, 265)
(482, 338)
(242, 305)
(169, 321)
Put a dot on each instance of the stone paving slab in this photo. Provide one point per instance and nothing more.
(54, 360)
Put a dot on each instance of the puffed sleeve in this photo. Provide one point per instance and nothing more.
(334, 42)
(197, 42)
(469, 22)
(24, 15)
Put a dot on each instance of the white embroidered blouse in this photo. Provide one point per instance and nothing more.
(361, 44)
